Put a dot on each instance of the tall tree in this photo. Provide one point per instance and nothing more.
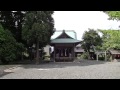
(91, 38)
(111, 39)
(38, 28)
(12, 20)
(9, 48)
(114, 15)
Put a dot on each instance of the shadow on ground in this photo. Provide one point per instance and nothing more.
(47, 65)
(5, 73)
(4, 67)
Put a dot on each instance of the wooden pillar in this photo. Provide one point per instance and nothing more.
(113, 57)
(65, 52)
(73, 52)
(58, 54)
(58, 51)
(61, 52)
(64, 55)
(54, 52)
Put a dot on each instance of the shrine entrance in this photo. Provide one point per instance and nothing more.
(64, 52)
(64, 46)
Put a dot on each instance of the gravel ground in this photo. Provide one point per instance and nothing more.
(65, 70)
(5, 67)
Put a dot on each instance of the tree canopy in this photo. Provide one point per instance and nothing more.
(114, 15)
(12, 21)
(9, 48)
(38, 28)
(111, 39)
(91, 38)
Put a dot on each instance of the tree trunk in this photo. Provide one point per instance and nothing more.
(22, 56)
(37, 54)
(105, 56)
(89, 57)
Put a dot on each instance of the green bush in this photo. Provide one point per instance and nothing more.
(84, 56)
(101, 58)
(9, 48)
(109, 57)
(26, 56)
(78, 56)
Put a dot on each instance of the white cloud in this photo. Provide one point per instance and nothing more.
(82, 20)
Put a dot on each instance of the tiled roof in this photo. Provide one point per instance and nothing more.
(65, 40)
(71, 33)
(114, 51)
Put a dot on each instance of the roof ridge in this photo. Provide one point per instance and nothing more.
(71, 33)
(64, 30)
(66, 38)
(63, 33)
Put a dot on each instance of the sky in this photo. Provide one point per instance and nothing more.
(80, 21)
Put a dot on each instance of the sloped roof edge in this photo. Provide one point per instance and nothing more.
(66, 32)
(65, 40)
